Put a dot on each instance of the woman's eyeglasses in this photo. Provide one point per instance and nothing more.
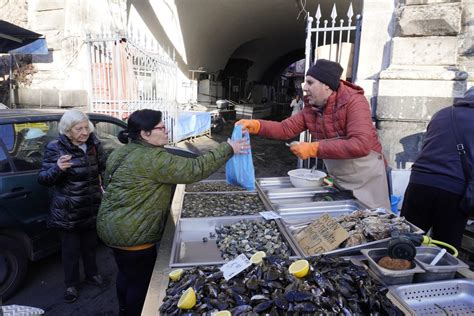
(161, 128)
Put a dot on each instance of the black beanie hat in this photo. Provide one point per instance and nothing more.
(326, 71)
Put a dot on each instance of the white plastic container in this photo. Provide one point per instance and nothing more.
(304, 178)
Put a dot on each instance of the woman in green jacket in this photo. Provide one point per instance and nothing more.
(139, 182)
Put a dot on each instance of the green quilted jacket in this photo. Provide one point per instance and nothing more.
(139, 180)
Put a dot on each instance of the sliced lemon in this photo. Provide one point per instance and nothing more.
(175, 275)
(258, 257)
(223, 313)
(299, 268)
(187, 299)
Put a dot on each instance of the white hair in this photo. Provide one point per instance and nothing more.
(71, 118)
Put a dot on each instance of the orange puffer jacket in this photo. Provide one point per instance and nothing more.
(344, 128)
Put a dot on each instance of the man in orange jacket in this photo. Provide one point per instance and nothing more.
(337, 115)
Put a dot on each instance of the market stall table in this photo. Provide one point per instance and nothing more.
(160, 278)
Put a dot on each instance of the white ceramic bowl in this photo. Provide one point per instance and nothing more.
(304, 178)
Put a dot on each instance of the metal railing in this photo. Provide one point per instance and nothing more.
(125, 77)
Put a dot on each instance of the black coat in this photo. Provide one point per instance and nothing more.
(439, 164)
(77, 190)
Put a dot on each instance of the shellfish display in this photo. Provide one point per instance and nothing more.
(212, 205)
(214, 186)
(365, 226)
(332, 286)
(248, 237)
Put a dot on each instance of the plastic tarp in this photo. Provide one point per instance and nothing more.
(191, 124)
(38, 47)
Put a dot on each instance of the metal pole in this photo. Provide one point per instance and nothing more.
(307, 63)
(10, 85)
(355, 60)
(89, 73)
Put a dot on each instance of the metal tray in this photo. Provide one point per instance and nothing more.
(387, 276)
(190, 250)
(453, 297)
(340, 207)
(295, 195)
(294, 222)
(445, 269)
(273, 183)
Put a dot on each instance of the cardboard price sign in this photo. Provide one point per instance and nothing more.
(324, 234)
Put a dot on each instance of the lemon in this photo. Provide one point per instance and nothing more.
(257, 257)
(187, 299)
(223, 313)
(175, 275)
(299, 268)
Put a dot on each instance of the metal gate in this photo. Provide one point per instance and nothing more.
(333, 41)
(125, 77)
(338, 43)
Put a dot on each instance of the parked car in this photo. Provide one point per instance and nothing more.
(24, 203)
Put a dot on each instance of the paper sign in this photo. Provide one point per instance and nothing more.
(270, 215)
(324, 234)
(234, 267)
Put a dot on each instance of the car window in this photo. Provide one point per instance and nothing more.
(28, 142)
(7, 134)
(4, 163)
(107, 133)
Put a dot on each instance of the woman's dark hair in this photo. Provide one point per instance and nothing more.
(141, 120)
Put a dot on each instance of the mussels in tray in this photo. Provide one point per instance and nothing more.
(333, 286)
(248, 237)
(212, 205)
(333, 196)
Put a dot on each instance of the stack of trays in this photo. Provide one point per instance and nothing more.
(281, 196)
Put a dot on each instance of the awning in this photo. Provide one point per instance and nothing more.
(17, 40)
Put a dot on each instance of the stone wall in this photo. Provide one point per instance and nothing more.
(432, 54)
(15, 11)
(61, 78)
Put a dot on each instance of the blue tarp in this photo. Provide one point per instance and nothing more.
(38, 47)
(192, 124)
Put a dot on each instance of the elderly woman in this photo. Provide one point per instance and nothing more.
(139, 181)
(72, 165)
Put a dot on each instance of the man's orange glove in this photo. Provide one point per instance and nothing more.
(253, 126)
(305, 150)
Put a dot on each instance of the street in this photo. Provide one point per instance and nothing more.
(44, 287)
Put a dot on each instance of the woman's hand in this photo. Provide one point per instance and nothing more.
(240, 146)
(63, 162)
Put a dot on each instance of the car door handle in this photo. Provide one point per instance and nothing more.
(17, 192)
